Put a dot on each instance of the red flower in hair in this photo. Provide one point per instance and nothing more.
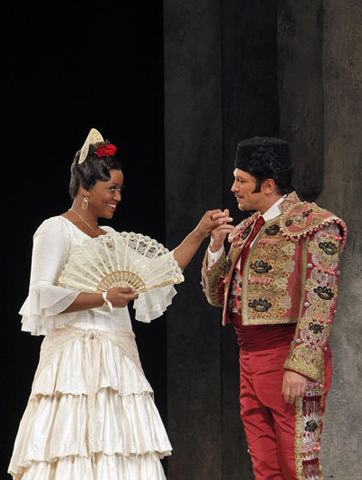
(106, 150)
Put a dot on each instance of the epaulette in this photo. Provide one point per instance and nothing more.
(303, 218)
(242, 230)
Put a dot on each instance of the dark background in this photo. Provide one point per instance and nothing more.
(70, 67)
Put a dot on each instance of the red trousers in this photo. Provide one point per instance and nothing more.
(283, 439)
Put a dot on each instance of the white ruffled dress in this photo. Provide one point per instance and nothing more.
(91, 413)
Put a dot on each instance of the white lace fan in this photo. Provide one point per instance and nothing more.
(120, 259)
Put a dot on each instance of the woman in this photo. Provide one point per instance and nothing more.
(91, 413)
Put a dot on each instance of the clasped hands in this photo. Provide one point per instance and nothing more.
(217, 224)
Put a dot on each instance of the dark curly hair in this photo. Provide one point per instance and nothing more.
(266, 157)
(282, 179)
(264, 164)
(94, 168)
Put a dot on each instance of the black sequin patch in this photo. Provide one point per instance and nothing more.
(329, 248)
(260, 266)
(272, 230)
(316, 328)
(307, 213)
(324, 293)
(260, 305)
(311, 426)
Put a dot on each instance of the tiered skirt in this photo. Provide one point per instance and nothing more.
(91, 413)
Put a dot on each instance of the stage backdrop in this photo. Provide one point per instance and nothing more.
(233, 70)
(175, 85)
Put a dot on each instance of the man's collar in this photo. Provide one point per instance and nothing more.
(274, 210)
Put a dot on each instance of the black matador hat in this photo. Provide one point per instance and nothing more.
(262, 155)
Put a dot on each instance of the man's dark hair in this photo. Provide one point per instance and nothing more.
(282, 178)
(266, 157)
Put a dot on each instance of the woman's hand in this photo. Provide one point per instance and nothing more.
(118, 296)
(218, 234)
(187, 249)
(121, 296)
(212, 220)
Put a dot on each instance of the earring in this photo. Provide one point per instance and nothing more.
(85, 203)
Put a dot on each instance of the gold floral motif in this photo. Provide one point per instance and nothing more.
(287, 247)
(318, 255)
(306, 362)
(278, 297)
(289, 266)
(323, 278)
(271, 286)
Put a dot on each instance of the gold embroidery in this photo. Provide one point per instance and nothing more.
(309, 415)
(211, 279)
(270, 287)
(239, 235)
(298, 441)
(281, 283)
(305, 361)
(318, 305)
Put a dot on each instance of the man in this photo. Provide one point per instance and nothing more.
(278, 287)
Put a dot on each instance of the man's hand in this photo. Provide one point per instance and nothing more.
(220, 231)
(187, 249)
(293, 386)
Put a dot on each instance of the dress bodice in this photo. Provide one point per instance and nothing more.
(53, 241)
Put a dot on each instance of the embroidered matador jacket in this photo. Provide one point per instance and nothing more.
(289, 276)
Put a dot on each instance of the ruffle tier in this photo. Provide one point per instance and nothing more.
(102, 467)
(153, 304)
(90, 416)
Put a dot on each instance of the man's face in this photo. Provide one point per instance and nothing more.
(243, 188)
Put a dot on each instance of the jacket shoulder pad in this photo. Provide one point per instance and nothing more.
(304, 218)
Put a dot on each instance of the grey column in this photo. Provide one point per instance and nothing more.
(320, 85)
(342, 78)
(193, 147)
(300, 34)
(220, 87)
(250, 108)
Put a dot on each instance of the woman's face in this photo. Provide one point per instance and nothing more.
(105, 196)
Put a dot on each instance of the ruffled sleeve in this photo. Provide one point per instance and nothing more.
(152, 304)
(51, 245)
